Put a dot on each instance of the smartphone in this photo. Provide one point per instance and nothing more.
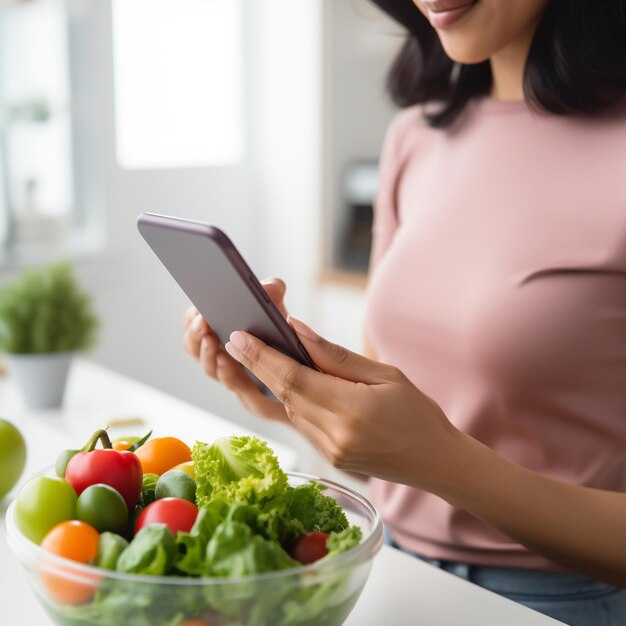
(218, 281)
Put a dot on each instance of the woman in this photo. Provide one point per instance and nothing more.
(491, 412)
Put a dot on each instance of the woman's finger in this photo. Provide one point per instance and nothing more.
(232, 375)
(189, 314)
(287, 378)
(192, 344)
(259, 405)
(276, 289)
(198, 327)
(209, 348)
(317, 437)
(334, 359)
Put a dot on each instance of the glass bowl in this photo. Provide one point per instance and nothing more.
(320, 594)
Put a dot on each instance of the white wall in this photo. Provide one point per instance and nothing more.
(140, 306)
(269, 205)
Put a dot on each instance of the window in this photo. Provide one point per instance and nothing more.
(178, 83)
(36, 178)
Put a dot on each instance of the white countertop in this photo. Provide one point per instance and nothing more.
(401, 590)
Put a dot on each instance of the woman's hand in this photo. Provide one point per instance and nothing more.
(200, 341)
(364, 416)
(367, 417)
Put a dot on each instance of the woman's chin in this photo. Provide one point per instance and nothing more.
(465, 50)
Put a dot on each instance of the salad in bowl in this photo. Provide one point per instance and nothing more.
(153, 533)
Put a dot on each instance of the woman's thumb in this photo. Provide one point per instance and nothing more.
(336, 360)
(276, 288)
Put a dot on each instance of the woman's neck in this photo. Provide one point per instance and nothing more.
(507, 68)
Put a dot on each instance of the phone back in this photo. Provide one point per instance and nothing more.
(217, 280)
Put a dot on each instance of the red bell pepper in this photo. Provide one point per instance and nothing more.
(118, 469)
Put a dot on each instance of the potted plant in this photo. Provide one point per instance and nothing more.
(45, 318)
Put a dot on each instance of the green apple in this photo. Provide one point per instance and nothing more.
(12, 456)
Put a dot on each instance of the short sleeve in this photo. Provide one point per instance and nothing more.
(385, 206)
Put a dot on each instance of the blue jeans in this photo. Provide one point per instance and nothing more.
(571, 598)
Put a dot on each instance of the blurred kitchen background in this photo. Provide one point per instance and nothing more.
(264, 117)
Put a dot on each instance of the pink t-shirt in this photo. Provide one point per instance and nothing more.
(499, 289)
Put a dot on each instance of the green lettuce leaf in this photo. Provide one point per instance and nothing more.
(235, 551)
(190, 554)
(315, 510)
(343, 541)
(213, 539)
(152, 551)
(241, 469)
(148, 489)
(191, 546)
(110, 546)
(299, 510)
(122, 603)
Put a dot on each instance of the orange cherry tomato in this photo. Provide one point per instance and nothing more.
(195, 622)
(73, 540)
(76, 541)
(161, 454)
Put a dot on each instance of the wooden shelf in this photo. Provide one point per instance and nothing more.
(342, 278)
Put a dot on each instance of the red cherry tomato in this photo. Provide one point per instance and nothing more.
(176, 513)
(310, 547)
(118, 469)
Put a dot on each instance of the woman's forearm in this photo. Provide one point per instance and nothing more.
(340, 412)
(577, 527)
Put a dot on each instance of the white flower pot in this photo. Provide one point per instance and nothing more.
(41, 378)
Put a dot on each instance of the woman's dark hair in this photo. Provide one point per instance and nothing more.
(576, 63)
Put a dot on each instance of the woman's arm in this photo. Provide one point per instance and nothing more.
(580, 528)
(367, 417)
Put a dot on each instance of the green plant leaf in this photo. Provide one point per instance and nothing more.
(45, 311)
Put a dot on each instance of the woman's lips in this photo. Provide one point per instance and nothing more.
(444, 13)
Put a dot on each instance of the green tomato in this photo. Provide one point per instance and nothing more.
(42, 503)
(12, 456)
(103, 508)
(62, 460)
(176, 484)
